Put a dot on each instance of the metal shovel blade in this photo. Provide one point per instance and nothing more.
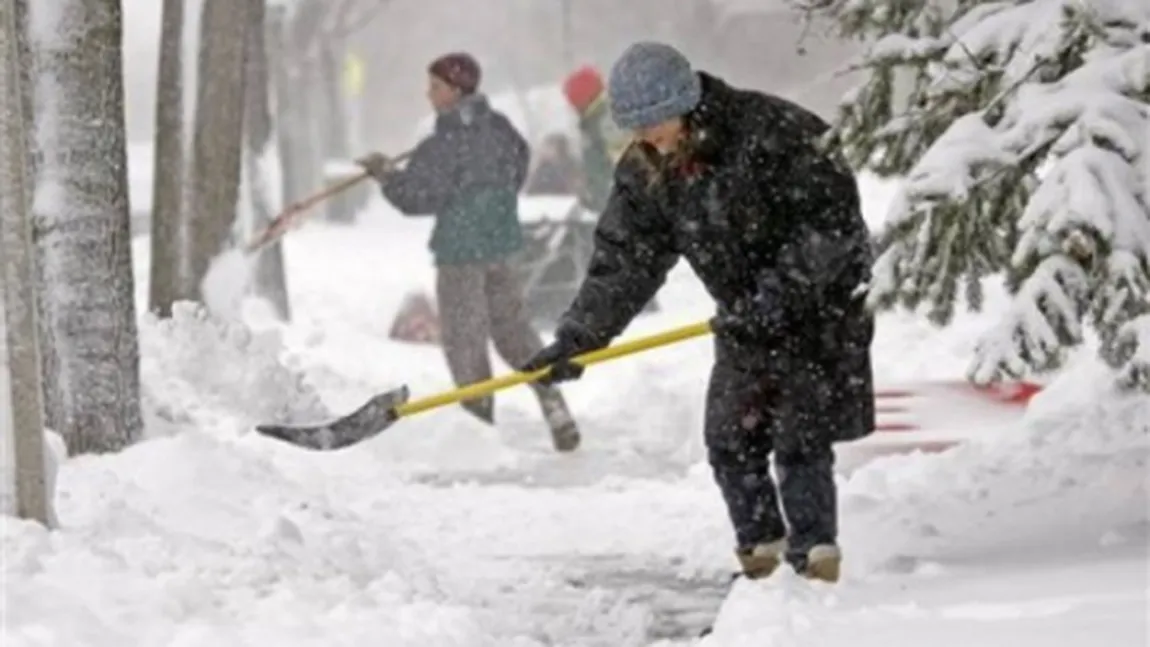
(371, 419)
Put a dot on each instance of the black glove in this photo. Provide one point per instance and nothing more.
(570, 341)
(376, 165)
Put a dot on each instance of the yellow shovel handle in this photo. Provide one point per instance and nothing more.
(487, 387)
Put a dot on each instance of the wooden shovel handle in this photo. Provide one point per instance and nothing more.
(282, 222)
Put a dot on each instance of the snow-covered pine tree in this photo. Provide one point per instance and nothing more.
(1022, 129)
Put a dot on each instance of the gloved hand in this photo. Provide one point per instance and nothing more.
(725, 324)
(570, 341)
(376, 165)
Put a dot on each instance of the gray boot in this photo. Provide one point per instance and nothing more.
(564, 432)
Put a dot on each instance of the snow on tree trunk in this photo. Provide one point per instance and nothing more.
(1025, 154)
(217, 145)
(25, 491)
(83, 241)
(261, 175)
(168, 247)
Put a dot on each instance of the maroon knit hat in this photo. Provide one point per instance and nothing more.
(458, 69)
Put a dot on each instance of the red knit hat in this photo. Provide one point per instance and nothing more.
(582, 87)
(459, 70)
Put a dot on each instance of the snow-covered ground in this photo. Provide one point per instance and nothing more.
(442, 532)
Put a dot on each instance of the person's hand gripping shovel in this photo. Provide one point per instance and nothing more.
(383, 410)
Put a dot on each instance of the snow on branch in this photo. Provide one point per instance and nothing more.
(1043, 319)
(929, 229)
(899, 48)
(1133, 348)
(1092, 204)
(1024, 142)
(966, 155)
(1003, 39)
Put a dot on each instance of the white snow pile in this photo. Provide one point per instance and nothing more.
(191, 540)
(203, 372)
(206, 535)
(227, 282)
(1074, 471)
(1072, 481)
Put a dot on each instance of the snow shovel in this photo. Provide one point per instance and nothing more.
(384, 409)
(295, 211)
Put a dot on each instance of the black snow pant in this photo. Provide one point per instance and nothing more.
(744, 427)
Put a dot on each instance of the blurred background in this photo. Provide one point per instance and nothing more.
(526, 47)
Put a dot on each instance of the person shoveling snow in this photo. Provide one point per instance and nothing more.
(468, 174)
(733, 180)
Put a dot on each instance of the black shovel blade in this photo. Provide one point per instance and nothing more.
(371, 419)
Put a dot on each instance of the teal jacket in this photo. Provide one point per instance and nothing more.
(467, 175)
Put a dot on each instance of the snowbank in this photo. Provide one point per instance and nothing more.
(211, 374)
(192, 540)
(207, 534)
(1071, 481)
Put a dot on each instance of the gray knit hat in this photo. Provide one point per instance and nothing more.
(651, 83)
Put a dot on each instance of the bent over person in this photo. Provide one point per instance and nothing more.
(735, 182)
(468, 174)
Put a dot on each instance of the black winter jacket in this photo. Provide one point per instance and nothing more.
(773, 228)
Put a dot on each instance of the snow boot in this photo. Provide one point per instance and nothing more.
(823, 562)
(760, 560)
(565, 435)
(565, 438)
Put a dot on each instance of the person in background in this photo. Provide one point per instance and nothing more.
(468, 174)
(737, 182)
(556, 171)
(602, 142)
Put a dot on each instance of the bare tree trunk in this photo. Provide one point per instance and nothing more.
(260, 151)
(301, 128)
(332, 122)
(285, 108)
(21, 419)
(217, 146)
(164, 285)
(82, 229)
(290, 117)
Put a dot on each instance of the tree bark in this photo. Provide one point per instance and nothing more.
(284, 107)
(301, 127)
(332, 122)
(164, 285)
(260, 151)
(81, 226)
(217, 146)
(21, 417)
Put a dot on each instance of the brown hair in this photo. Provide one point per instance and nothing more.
(656, 165)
